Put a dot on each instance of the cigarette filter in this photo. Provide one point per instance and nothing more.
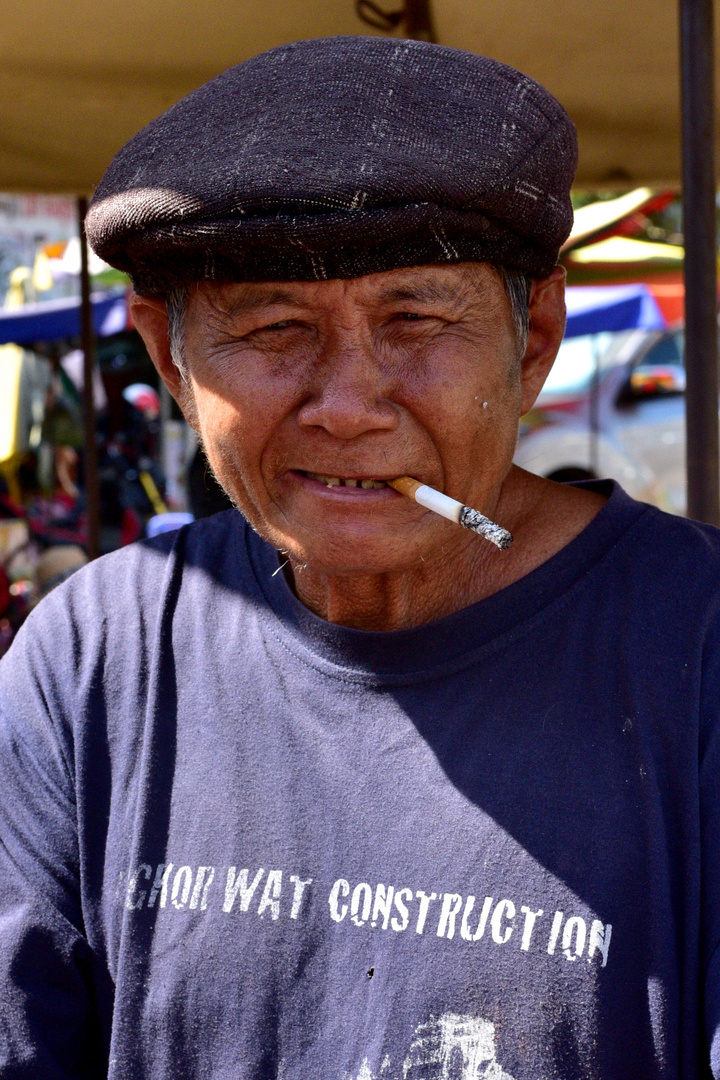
(452, 510)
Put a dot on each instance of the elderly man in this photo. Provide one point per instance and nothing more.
(335, 788)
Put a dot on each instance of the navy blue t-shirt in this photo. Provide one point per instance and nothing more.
(239, 842)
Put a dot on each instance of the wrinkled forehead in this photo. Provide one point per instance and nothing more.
(444, 286)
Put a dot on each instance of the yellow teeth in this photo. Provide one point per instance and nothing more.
(337, 481)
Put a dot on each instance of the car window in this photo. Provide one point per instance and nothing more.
(668, 350)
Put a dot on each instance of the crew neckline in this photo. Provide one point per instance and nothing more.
(444, 645)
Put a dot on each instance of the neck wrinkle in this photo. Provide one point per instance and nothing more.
(399, 600)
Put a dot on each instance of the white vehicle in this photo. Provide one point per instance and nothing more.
(613, 406)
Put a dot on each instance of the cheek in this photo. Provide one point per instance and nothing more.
(232, 427)
(496, 423)
(476, 443)
(450, 399)
(240, 416)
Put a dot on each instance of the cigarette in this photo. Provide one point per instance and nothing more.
(452, 510)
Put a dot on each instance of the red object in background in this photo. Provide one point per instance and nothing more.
(131, 527)
(670, 298)
(57, 521)
(143, 398)
(5, 595)
(10, 509)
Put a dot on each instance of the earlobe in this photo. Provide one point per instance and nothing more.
(547, 326)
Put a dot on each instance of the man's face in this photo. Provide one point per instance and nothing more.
(308, 396)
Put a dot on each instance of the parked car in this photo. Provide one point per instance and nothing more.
(613, 406)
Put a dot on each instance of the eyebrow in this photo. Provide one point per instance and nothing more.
(258, 299)
(427, 292)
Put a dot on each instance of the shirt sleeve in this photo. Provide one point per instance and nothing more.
(48, 1021)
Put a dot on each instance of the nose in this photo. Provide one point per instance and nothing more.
(348, 396)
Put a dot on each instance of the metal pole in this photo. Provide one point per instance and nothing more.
(595, 410)
(87, 335)
(419, 20)
(416, 15)
(700, 225)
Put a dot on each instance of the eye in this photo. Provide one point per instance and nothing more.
(281, 325)
(409, 316)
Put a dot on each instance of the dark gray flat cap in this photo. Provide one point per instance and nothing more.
(341, 157)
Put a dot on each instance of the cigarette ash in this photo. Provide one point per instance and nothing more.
(473, 519)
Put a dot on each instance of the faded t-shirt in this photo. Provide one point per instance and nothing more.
(240, 842)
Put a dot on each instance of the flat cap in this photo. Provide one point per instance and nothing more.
(340, 157)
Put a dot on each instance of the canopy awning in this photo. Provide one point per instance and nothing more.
(53, 319)
(597, 309)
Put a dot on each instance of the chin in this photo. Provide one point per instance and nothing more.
(355, 547)
(355, 557)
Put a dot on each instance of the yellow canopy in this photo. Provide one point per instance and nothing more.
(623, 249)
(11, 358)
(24, 381)
(78, 78)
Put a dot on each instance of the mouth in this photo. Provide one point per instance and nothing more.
(367, 483)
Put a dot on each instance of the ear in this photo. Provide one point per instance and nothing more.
(149, 315)
(547, 326)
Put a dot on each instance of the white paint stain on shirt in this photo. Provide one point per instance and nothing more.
(448, 1047)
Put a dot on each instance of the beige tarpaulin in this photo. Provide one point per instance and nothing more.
(78, 78)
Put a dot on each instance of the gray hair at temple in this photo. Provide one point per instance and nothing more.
(516, 284)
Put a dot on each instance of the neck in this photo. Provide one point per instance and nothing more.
(543, 518)
(399, 599)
